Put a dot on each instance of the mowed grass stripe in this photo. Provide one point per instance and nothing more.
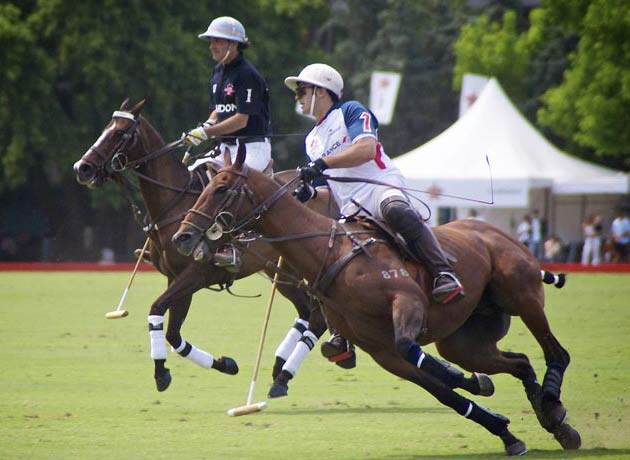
(75, 385)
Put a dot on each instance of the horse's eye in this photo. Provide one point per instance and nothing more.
(220, 189)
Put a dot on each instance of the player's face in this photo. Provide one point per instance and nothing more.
(303, 95)
(219, 48)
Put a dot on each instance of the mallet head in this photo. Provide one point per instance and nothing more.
(116, 314)
(247, 409)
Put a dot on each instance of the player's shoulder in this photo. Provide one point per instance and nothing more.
(352, 108)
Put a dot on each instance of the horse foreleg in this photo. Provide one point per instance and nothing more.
(408, 321)
(180, 303)
(496, 424)
(288, 344)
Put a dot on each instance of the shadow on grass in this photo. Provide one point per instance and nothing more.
(595, 453)
(343, 409)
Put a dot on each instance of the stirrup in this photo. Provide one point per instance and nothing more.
(230, 262)
(444, 294)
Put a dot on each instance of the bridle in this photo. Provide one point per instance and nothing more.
(225, 220)
(119, 161)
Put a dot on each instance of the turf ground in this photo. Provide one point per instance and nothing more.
(77, 386)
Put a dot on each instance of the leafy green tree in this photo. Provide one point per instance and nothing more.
(592, 105)
(66, 66)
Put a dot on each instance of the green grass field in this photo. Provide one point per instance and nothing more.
(77, 386)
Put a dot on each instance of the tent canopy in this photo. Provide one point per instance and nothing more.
(493, 139)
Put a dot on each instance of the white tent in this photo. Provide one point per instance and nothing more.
(493, 140)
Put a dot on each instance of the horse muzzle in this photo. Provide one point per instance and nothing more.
(186, 241)
(87, 174)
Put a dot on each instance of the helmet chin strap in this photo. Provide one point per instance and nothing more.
(227, 54)
(312, 104)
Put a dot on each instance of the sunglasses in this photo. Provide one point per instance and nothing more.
(301, 90)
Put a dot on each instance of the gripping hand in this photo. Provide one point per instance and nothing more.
(195, 136)
(313, 170)
(305, 192)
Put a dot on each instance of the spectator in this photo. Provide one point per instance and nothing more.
(536, 235)
(591, 231)
(620, 233)
(553, 249)
(524, 230)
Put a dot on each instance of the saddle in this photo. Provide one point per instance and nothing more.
(394, 238)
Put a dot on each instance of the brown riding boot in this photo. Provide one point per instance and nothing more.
(229, 258)
(340, 351)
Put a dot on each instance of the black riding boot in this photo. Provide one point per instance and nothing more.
(423, 244)
(339, 350)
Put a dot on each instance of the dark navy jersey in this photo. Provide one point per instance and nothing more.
(238, 88)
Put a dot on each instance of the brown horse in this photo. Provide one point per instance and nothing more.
(130, 143)
(379, 301)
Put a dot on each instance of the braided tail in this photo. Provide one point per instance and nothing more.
(551, 278)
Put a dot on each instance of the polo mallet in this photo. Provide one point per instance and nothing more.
(119, 312)
(250, 408)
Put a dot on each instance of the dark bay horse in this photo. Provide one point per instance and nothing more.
(379, 301)
(129, 142)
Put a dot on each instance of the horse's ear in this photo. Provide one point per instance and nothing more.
(125, 104)
(227, 158)
(241, 155)
(138, 107)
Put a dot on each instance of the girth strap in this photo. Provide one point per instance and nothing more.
(358, 247)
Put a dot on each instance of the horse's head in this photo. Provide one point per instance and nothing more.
(113, 149)
(219, 210)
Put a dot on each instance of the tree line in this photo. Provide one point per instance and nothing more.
(65, 66)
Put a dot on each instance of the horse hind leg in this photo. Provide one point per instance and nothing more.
(495, 423)
(552, 413)
(408, 325)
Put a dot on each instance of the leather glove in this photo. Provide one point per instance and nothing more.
(195, 136)
(313, 170)
(305, 192)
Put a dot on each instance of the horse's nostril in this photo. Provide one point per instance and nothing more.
(181, 237)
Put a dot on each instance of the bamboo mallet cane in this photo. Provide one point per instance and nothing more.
(250, 408)
(119, 312)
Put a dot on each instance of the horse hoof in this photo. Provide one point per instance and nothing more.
(568, 437)
(513, 445)
(228, 366)
(163, 381)
(517, 448)
(486, 387)
(278, 390)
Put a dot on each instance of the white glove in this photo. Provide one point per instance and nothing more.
(195, 136)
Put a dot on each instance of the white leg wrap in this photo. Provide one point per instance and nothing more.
(288, 343)
(180, 348)
(158, 341)
(200, 357)
(299, 354)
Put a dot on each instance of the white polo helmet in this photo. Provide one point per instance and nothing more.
(226, 27)
(321, 75)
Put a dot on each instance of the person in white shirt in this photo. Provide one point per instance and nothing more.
(344, 142)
